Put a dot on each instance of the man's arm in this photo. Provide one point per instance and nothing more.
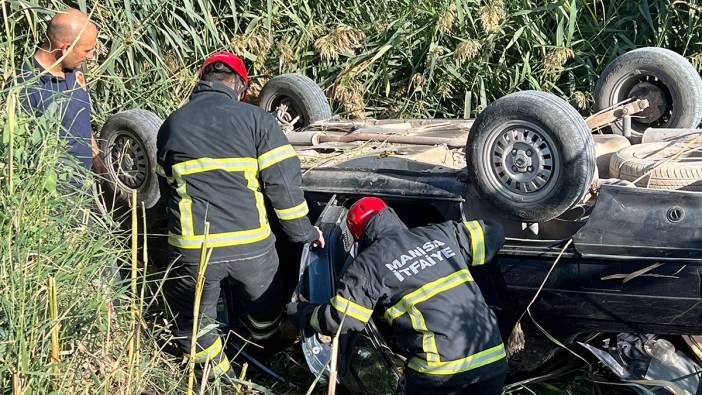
(279, 169)
(479, 240)
(353, 304)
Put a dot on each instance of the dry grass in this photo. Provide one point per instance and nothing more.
(447, 18)
(341, 41)
(467, 50)
(149, 52)
(491, 15)
(64, 320)
(556, 58)
(350, 94)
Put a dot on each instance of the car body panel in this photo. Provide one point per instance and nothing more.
(631, 223)
(598, 285)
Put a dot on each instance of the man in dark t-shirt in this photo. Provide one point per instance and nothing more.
(53, 80)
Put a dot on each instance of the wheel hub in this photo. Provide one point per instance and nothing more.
(522, 162)
(127, 164)
(128, 161)
(657, 101)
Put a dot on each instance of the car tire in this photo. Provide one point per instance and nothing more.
(667, 79)
(301, 94)
(531, 155)
(128, 149)
(634, 162)
(605, 146)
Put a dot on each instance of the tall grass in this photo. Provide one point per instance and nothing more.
(57, 266)
(390, 58)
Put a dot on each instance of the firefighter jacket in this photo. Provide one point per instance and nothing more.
(420, 279)
(216, 158)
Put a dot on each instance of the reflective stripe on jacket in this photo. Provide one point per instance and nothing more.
(217, 157)
(420, 279)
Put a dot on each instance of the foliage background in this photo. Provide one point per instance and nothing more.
(398, 58)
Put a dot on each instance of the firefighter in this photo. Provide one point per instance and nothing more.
(217, 157)
(420, 280)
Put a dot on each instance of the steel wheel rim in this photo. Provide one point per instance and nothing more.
(127, 161)
(522, 164)
(627, 85)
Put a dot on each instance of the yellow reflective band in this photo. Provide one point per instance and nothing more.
(262, 330)
(459, 365)
(184, 206)
(298, 211)
(263, 324)
(477, 242)
(220, 239)
(428, 340)
(275, 155)
(207, 164)
(222, 367)
(161, 172)
(256, 335)
(354, 310)
(261, 207)
(427, 291)
(208, 353)
(247, 165)
(432, 347)
(253, 185)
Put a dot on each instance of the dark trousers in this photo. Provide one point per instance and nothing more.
(255, 284)
(491, 386)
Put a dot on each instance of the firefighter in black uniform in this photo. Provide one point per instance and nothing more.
(217, 156)
(420, 280)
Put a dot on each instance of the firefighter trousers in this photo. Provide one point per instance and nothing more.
(490, 386)
(255, 286)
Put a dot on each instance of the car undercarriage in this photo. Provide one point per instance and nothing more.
(602, 236)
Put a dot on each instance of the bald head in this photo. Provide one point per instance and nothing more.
(71, 33)
(68, 24)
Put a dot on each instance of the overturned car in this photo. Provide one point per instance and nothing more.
(603, 229)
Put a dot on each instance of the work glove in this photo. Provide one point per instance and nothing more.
(299, 314)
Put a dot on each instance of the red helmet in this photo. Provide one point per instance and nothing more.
(361, 212)
(231, 60)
